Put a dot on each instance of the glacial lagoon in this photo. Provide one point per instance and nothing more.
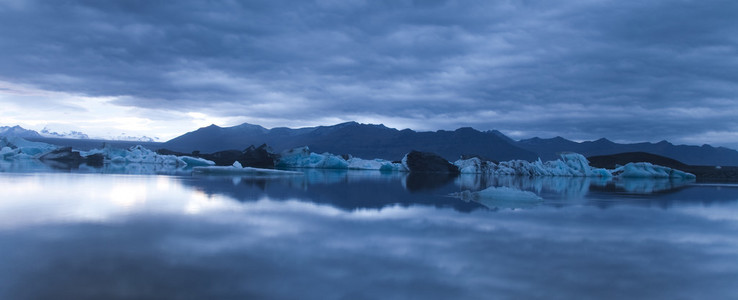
(82, 234)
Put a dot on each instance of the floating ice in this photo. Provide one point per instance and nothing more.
(16, 148)
(196, 161)
(20, 148)
(238, 169)
(570, 164)
(136, 154)
(303, 158)
(648, 170)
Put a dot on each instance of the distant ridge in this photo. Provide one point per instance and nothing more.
(361, 140)
(379, 141)
(17, 131)
(691, 155)
(611, 161)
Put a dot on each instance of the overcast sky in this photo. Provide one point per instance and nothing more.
(625, 70)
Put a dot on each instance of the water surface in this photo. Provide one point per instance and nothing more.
(362, 235)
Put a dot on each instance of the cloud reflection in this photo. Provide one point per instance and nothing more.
(286, 250)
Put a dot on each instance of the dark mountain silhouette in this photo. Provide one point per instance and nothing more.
(611, 161)
(692, 155)
(361, 140)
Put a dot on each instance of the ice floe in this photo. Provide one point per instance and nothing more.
(570, 164)
(15, 148)
(303, 158)
(648, 170)
(20, 148)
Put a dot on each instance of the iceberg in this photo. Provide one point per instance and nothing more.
(141, 155)
(16, 148)
(648, 170)
(238, 169)
(196, 161)
(20, 148)
(569, 164)
(302, 158)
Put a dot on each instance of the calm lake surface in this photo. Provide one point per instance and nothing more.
(362, 235)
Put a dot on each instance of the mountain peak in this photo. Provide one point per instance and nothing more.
(18, 131)
(466, 129)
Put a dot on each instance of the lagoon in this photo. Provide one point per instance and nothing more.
(362, 235)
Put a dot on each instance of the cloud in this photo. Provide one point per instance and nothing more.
(621, 66)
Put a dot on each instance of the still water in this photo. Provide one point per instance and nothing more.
(362, 235)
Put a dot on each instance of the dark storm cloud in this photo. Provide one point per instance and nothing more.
(577, 69)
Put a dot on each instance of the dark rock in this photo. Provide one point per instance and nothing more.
(65, 158)
(224, 158)
(64, 154)
(612, 161)
(257, 157)
(95, 160)
(429, 162)
(170, 152)
(261, 157)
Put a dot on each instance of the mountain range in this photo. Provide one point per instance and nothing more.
(379, 141)
(48, 133)
(361, 140)
(18, 131)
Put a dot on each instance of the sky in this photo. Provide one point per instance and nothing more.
(629, 71)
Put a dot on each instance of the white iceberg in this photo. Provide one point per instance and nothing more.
(20, 148)
(648, 170)
(141, 155)
(570, 164)
(302, 158)
(122, 160)
(196, 161)
(238, 169)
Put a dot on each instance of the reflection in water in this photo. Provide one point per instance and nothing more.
(348, 235)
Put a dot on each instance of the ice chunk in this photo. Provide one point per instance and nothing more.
(196, 161)
(570, 164)
(303, 158)
(648, 170)
(356, 163)
(23, 148)
(7, 152)
(135, 154)
(141, 155)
